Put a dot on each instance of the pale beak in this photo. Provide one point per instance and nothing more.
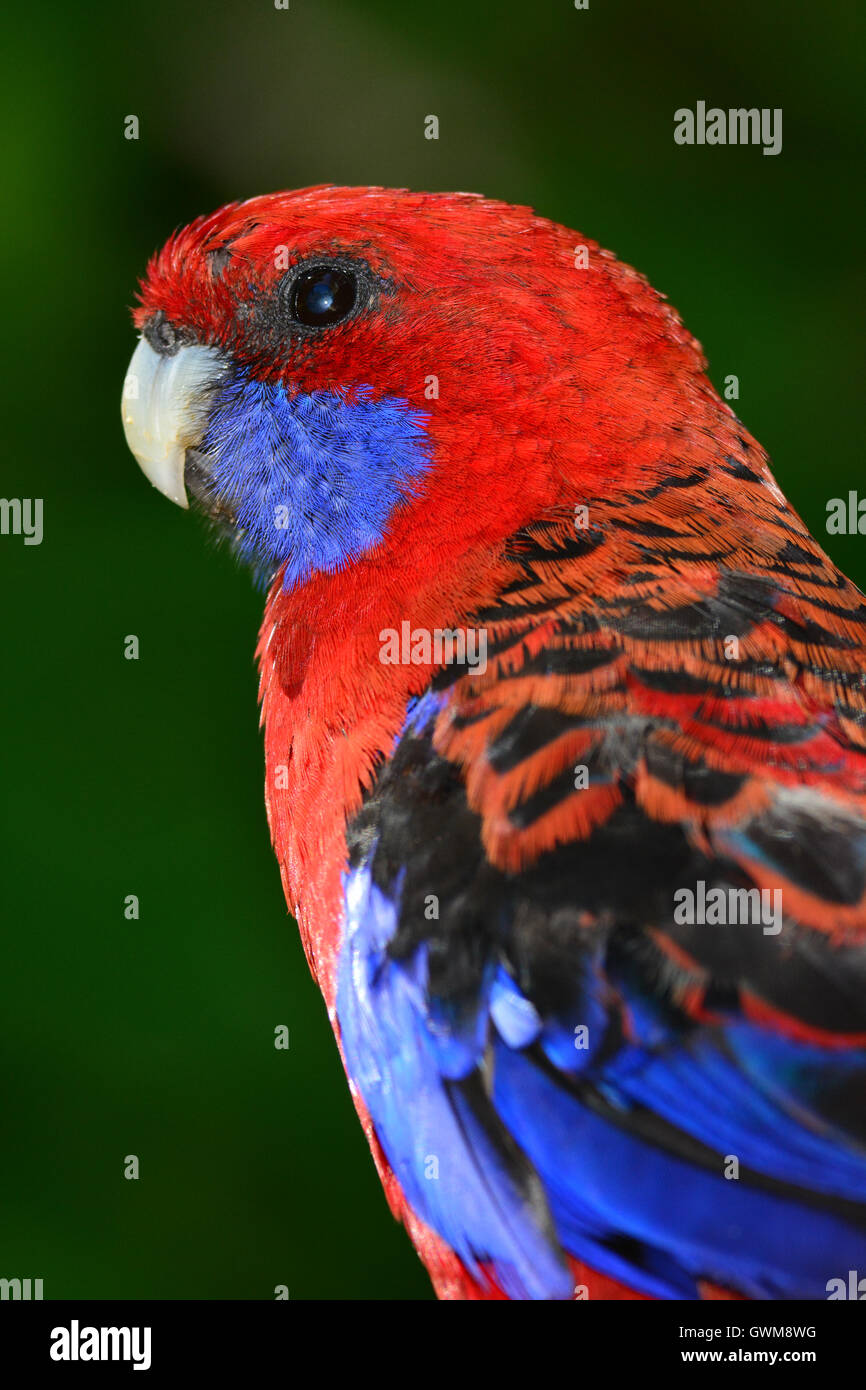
(164, 409)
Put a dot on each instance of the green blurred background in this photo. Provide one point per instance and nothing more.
(155, 1037)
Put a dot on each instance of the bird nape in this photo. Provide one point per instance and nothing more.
(565, 718)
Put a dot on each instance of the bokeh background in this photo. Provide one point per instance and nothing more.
(155, 1037)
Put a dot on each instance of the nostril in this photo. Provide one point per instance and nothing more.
(164, 336)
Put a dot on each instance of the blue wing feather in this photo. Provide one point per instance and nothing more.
(663, 1154)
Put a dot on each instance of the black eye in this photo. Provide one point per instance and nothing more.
(322, 297)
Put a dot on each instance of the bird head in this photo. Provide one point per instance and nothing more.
(341, 376)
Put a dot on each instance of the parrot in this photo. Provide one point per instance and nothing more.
(564, 718)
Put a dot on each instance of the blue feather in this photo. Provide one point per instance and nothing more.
(312, 479)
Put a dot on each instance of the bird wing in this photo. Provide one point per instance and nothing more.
(573, 1046)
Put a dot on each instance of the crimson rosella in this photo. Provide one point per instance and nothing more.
(565, 733)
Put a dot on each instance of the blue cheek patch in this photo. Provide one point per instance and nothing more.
(311, 479)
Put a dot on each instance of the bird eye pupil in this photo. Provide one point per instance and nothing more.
(322, 297)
